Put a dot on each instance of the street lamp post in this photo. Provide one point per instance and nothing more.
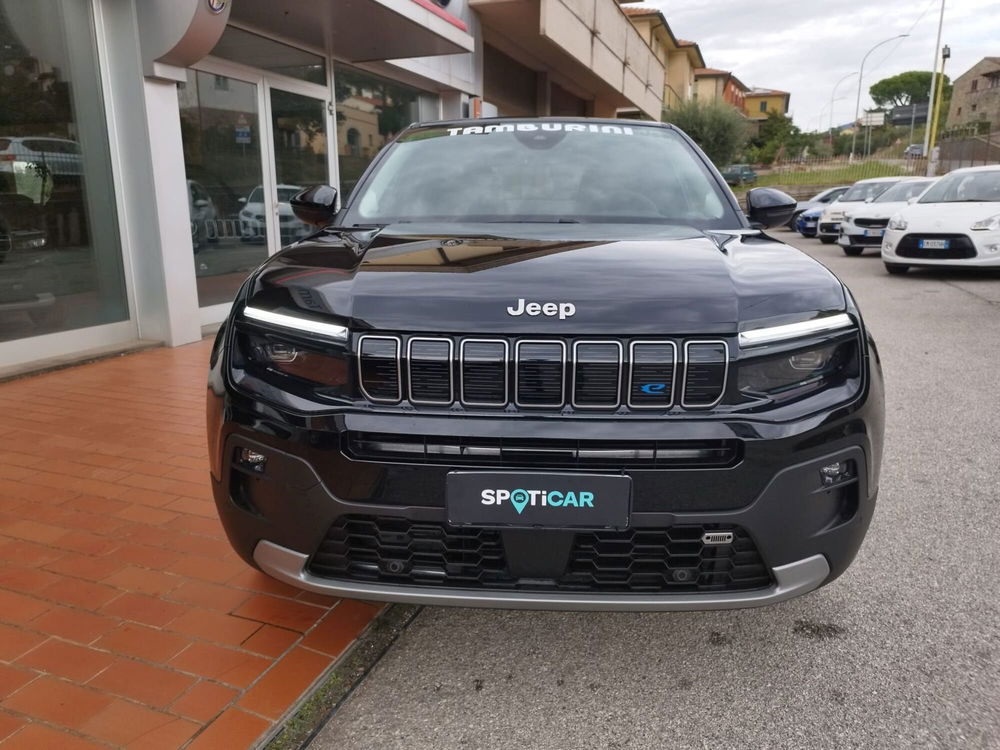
(832, 94)
(861, 75)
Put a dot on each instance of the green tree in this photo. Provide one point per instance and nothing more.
(718, 128)
(900, 90)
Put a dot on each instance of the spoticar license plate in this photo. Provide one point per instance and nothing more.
(512, 498)
(933, 244)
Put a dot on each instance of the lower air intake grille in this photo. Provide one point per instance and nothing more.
(481, 451)
(959, 246)
(679, 559)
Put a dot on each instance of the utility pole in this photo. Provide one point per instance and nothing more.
(861, 75)
(931, 161)
(930, 99)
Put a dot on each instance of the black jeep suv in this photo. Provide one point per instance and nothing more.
(546, 363)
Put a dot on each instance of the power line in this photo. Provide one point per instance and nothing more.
(908, 31)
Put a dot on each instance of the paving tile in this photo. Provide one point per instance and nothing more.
(214, 626)
(143, 642)
(58, 702)
(86, 542)
(123, 722)
(143, 580)
(39, 737)
(13, 679)
(18, 609)
(284, 613)
(209, 595)
(15, 641)
(146, 556)
(84, 594)
(206, 568)
(85, 566)
(141, 682)
(9, 724)
(271, 641)
(168, 737)
(25, 580)
(285, 682)
(204, 701)
(250, 578)
(339, 628)
(233, 730)
(64, 659)
(75, 625)
(32, 531)
(145, 609)
(29, 553)
(220, 663)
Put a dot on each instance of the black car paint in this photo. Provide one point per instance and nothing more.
(639, 281)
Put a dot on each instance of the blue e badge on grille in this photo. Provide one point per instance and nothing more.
(517, 499)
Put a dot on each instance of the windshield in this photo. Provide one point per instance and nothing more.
(257, 196)
(828, 196)
(285, 194)
(966, 187)
(863, 191)
(903, 191)
(542, 172)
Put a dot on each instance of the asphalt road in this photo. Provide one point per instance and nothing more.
(902, 651)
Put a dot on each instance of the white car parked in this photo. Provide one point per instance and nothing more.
(252, 221)
(956, 222)
(864, 226)
(861, 191)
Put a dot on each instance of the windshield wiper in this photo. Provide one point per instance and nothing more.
(560, 220)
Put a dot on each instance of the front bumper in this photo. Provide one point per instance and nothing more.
(806, 534)
(806, 227)
(852, 235)
(827, 228)
(791, 580)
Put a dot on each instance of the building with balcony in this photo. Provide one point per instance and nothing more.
(680, 57)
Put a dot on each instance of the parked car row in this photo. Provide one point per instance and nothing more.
(914, 221)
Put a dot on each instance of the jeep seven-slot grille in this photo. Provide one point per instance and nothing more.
(543, 373)
(685, 558)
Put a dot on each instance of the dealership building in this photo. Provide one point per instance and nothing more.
(148, 148)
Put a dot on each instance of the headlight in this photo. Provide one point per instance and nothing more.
(290, 365)
(246, 214)
(848, 217)
(799, 373)
(834, 215)
(898, 222)
(991, 224)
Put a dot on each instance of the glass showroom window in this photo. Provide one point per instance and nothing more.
(370, 112)
(60, 254)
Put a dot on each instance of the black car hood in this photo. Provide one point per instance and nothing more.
(642, 282)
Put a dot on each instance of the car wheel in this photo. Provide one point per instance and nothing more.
(896, 268)
(827, 240)
(853, 251)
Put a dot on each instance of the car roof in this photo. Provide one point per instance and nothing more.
(894, 178)
(987, 168)
(468, 122)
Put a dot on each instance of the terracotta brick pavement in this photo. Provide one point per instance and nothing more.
(125, 618)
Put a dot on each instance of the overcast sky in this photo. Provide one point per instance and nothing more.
(806, 46)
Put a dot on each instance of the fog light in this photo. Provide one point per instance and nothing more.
(993, 248)
(887, 246)
(832, 474)
(251, 459)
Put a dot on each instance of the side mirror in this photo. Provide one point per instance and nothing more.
(913, 200)
(201, 203)
(316, 205)
(767, 207)
(242, 201)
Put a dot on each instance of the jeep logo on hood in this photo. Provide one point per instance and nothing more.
(562, 309)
